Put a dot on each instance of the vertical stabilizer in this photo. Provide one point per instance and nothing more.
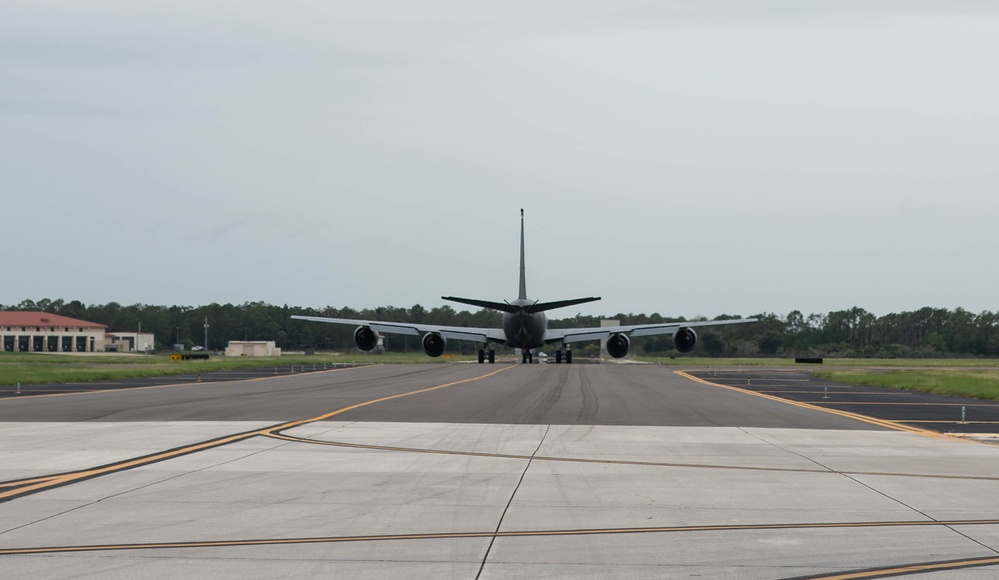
(523, 269)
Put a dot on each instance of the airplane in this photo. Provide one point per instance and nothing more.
(525, 327)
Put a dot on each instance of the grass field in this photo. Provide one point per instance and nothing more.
(38, 368)
(977, 378)
(688, 361)
(970, 377)
(978, 383)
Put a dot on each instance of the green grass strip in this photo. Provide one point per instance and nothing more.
(692, 361)
(980, 384)
(41, 368)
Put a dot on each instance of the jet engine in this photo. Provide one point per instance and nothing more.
(684, 339)
(434, 344)
(618, 345)
(365, 338)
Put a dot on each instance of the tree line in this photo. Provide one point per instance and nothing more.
(927, 332)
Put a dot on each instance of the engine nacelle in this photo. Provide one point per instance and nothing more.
(434, 344)
(365, 338)
(684, 339)
(618, 345)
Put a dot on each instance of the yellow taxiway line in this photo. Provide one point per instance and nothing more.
(912, 569)
(858, 417)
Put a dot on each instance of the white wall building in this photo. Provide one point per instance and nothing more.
(131, 341)
(252, 348)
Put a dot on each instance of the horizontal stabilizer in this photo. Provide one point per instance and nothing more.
(543, 306)
(501, 306)
(512, 309)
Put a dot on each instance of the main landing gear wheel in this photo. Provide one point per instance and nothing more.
(492, 356)
(568, 357)
(487, 354)
(482, 356)
(527, 357)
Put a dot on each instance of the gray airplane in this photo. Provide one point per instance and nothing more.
(525, 327)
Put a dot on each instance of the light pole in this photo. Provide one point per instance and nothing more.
(206, 333)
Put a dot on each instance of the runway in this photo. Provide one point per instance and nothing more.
(493, 471)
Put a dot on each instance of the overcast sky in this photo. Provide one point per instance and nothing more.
(686, 158)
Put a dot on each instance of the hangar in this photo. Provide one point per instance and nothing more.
(45, 332)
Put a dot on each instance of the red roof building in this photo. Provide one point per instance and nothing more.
(42, 320)
(44, 332)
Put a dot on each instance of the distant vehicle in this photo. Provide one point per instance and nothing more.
(525, 326)
(197, 348)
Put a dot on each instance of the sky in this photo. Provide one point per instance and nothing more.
(687, 158)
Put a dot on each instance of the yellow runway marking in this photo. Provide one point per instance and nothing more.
(912, 569)
(957, 423)
(18, 482)
(490, 534)
(817, 390)
(858, 417)
(39, 484)
(900, 404)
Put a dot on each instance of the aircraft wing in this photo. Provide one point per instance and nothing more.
(473, 334)
(635, 330)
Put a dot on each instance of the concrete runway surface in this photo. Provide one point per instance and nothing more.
(496, 471)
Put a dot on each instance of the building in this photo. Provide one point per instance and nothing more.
(252, 348)
(131, 341)
(44, 332)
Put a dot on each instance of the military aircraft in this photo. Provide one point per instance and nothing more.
(525, 327)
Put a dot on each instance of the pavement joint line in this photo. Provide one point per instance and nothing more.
(513, 494)
(499, 534)
(57, 480)
(872, 420)
(285, 437)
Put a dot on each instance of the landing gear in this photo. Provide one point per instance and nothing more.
(492, 356)
(487, 354)
(527, 357)
(563, 355)
(568, 357)
(482, 356)
(558, 357)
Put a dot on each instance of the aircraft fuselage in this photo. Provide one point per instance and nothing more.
(525, 330)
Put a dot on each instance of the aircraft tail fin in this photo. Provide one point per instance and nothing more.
(528, 308)
(523, 268)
